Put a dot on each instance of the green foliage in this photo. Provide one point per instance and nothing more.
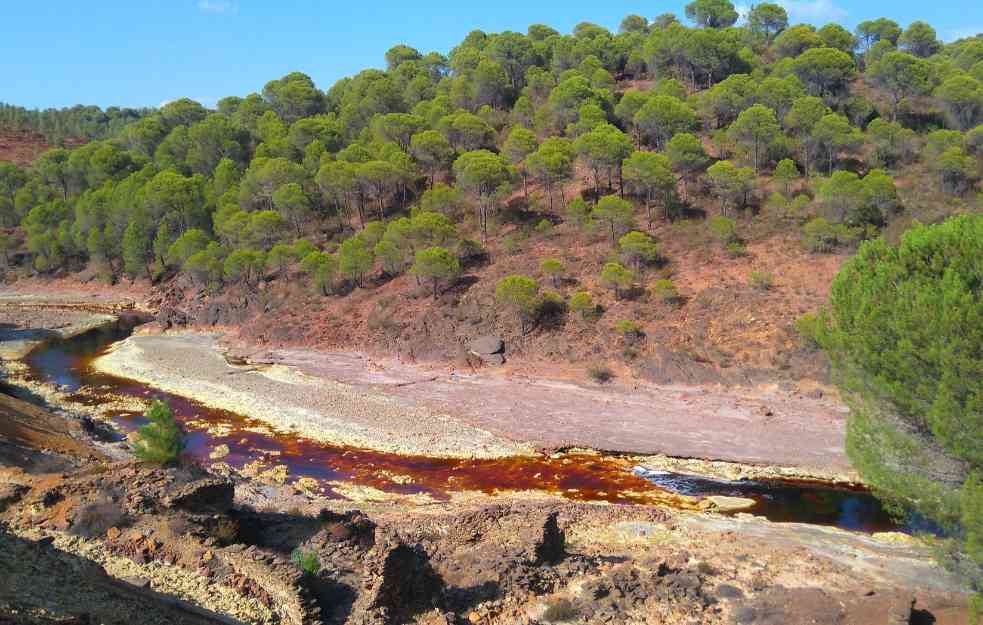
(761, 280)
(544, 227)
(723, 228)
(189, 243)
(160, 441)
(582, 303)
(729, 183)
(553, 269)
(786, 173)
(482, 173)
(809, 326)
(639, 249)
(903, 332)
(767, 19)
(825, 72)
(629, 330)
(617, 277)
(661, 117)
(578, 212)
(712, 13)
(306, 561)
(244, 266)
(665, 291)
(437, 265)
(519, 293)
(619, 214)
(355, 259)
(649, 173)
(821, 236)
(755, 128)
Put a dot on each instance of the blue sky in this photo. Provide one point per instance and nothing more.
(145, 52)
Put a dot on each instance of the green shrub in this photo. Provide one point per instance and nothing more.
(809, 327)
(664, 290)
(735, 249)
(582, 303)
(519, 293)
(544, 227)
(600, 373)
(161, 441)
(761, 280)
(553, 269)
(306, 561)
(551, 306)
(629, 330)
(616, 277)
(578, 212)
(821, 236)
(723, 228)
(510, 245)
(904, 336)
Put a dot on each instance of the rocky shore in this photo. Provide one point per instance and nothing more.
(25, 325)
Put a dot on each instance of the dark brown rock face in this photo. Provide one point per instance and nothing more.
(203, 496)
(400, 584)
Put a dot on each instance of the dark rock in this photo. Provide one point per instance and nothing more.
(169, 316)
(487, 345)
(551, 549)
(11, 494)
(203, 496)
(726, 591)
(402, 584)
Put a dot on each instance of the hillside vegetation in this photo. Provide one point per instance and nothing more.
(669, 198)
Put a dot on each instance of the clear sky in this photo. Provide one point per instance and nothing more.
(145, 52)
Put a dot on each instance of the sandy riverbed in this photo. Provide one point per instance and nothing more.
(393, 407)
(766, 427)
(192, 365)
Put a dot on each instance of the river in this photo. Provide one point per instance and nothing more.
(576, 476)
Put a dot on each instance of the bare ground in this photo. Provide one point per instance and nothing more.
(760, 426)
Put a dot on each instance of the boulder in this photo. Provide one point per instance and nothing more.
(720, 503)
(219, 452)
(487, 345)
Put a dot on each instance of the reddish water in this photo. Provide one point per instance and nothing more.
(582, 477)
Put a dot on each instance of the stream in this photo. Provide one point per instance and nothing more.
(576, 476)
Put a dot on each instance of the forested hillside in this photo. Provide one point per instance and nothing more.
(629, 181)
(76, 124)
